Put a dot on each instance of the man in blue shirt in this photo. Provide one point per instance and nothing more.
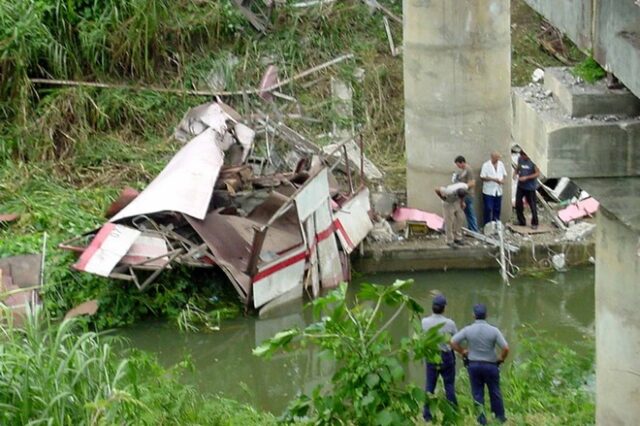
(527, 173)
(447, 367)
(482, 363)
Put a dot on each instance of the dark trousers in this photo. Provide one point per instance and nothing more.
(491, 209)
(481, 374)
(470, 213)
(448, 372)
(530, 195)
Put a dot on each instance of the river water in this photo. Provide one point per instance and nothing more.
(560, 305)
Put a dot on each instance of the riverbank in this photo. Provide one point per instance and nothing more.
(426, 254)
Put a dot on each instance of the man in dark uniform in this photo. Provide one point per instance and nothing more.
(482, 363)
(527, 173)
(447, 367)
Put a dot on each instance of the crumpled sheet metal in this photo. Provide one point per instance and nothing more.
(586, 207)
(186, 183)
(20, 272)
(432, 220)
(352, 220)
(230, 238)
(200, 118)
(106, 249)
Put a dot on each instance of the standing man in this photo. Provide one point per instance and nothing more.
(447, 366)
(492, 175)
(465, 175)
(452, 197)
(482, 363)
(527, 173)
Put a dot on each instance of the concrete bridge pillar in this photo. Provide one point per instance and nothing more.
(457, 78)
(618, 315)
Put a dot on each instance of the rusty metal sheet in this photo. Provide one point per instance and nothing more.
(89, 307)
(352, 220)
(127, 195)
(230, 244)
(24, 270)
(186, 183)
(106, 249)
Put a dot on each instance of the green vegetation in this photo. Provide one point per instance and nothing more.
(368, 386)
(58, 374)
(526, 52)
(65, 153)
(589, 70)
(545, 385)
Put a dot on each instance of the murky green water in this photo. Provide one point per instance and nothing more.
(560, 305)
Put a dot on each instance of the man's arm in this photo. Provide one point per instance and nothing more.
(456, 340)
(502, 343)
(503, 354)
(471, 182)
(533, 175)
(456, 347)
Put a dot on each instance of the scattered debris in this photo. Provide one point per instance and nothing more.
(538, 75)
(579, 231)
(543, 228)
(432, 220)
(248, 91)
(580, 209)
(89, 307)
(273, 234)
(392, 45)
(20, 280)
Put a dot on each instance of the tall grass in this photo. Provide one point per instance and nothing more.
(58, 374)
(547, 383)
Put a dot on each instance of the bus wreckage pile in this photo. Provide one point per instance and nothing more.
(276, 225)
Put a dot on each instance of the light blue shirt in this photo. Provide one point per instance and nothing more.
(482, 339)
(448, 329)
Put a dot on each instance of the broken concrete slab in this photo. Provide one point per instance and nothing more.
(563, 146)
(580, 98)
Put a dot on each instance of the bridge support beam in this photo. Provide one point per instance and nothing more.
(457, 59)
(617, 319)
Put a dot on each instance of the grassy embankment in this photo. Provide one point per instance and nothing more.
(66, 152)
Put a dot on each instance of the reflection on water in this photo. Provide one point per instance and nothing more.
(560, 305)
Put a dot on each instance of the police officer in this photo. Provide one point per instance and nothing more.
(447, 367)
(482, 363)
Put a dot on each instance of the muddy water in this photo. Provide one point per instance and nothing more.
(560, 305)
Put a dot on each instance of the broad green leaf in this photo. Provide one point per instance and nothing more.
(372, 379)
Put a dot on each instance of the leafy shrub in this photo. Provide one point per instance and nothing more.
(368, 387)
(589, 70)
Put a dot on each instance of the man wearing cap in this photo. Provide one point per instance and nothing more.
(447, 367)
(482, 363)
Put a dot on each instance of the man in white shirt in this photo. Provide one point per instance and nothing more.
(492, 175)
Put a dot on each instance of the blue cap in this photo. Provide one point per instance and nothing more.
(479, 310)
(440, 300)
